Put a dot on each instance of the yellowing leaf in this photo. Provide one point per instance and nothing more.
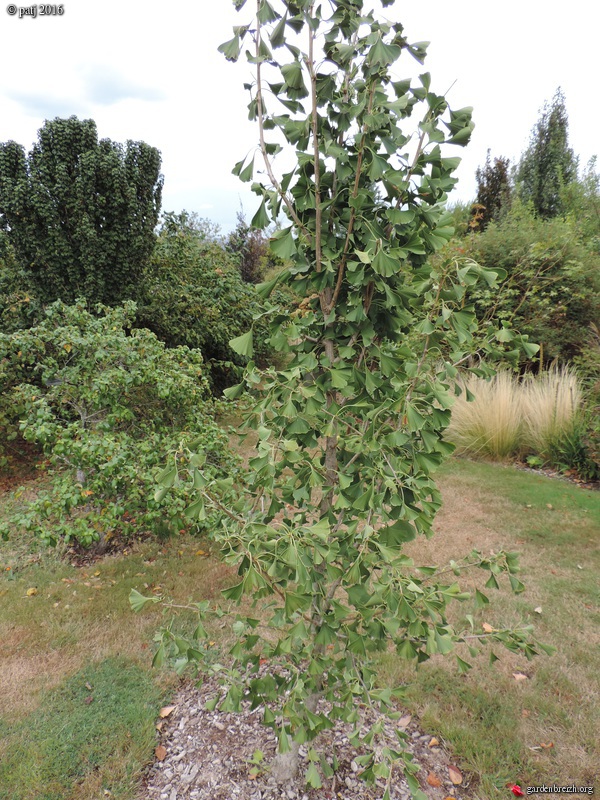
(455, 775)
(166, 710)
(31, 592)
(201, 553)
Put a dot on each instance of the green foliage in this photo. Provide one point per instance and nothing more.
(549, 164)
(193, 295)
(18, 307)
(250, 247)
(552, 290)
(351, 428)
(493, 191)
(80, 213)
(106, 402)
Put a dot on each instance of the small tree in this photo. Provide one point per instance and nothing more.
(80, 213)
(351, 429)
(493, 190)
(548, 164)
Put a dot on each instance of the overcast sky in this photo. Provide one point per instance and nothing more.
(149, 70)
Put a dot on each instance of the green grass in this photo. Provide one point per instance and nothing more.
(94, 729)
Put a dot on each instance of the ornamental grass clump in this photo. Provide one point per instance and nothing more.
(551, 403)
(491, 423)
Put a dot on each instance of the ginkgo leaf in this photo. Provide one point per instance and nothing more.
(455, 775)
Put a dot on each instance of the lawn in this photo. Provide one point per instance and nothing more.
(79, 698)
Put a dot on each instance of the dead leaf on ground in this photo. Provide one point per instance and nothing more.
(166, 710)
(433, 780)
(201, 553)
(160, 752)
(525, 713)
(538, 610)
(404, 721)
(487, 627)
(433, 743)
(455, 775)
(32, 591)
(88, 687)
(518, 676)
(547, 745)
(89, 700)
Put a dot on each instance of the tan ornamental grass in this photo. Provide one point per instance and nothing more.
(509, 416)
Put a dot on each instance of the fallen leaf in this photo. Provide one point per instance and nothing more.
(433, 743)
(166, 710)
(404, 721)
(160, 752)
(159, 725)
(433, 780)
(487, 627)
(525, 713)
(201, 553)
(88, 687)
(547, 745)
(550, 506)
(538, 610)
(89, 700)
(518, 676)
(455, 775)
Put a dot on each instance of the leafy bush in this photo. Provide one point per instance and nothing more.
(194, 295)
(107, 403)
(552, 292)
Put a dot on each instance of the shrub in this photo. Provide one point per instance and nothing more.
(552, 290)
(107, 403)
(194, 295)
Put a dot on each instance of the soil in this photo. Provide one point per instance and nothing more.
(208, 755)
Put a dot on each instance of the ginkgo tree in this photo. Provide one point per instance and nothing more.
(351, 429)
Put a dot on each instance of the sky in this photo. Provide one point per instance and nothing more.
(148, 70)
